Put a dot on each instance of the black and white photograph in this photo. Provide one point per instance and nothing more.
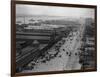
(54, 38)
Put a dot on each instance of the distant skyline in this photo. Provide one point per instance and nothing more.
(22, 9)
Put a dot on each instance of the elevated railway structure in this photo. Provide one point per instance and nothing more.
(27, 51)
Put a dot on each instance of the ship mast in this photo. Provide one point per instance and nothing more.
(24, 19)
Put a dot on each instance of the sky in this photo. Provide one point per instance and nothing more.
(54, 11)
